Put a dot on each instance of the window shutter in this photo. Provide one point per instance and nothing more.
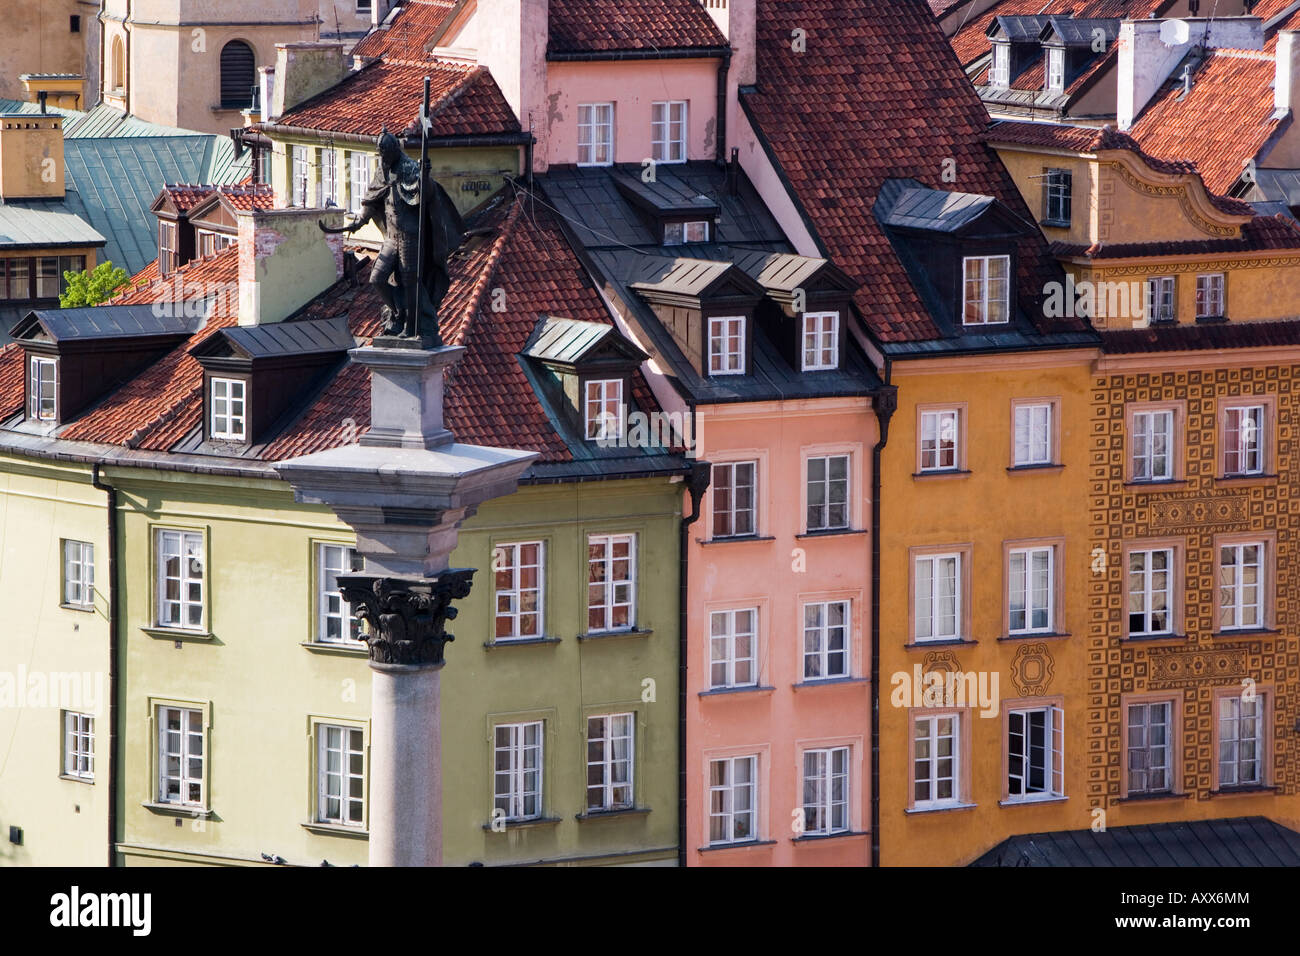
(238, 75)
(1058, 751)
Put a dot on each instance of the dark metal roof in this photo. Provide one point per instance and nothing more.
(906, 204)
(1019, 29)
(666, 194)
(1074, 32)
(317, 337)
(107, 322)
(43, 223)
(1236, 841)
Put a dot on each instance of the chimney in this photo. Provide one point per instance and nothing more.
(512, 37)
(379, 12)
(738, 21)
(285, 261)
(301, 71)
(1286, 82)
(1150, 51)
(31, 156)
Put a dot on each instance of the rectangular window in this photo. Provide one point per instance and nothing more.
(825, 640)
(676, 233)
(1055, 70)
(1035, 753)
(1150, 592)
(1149, 747)
(1033, 435)
(15, 279)
(611, 582)
(935, 745)
(228, 418)
(668, 131)
(1241, 586)
(733, 800)
(340, 776)
(518, 770)
(1153, 434)
(828, 492)
(1031, 599)
(595, 134)
(73, 264)
(1000, 71)
(48, 277)
(821, 341)
(988, 290)
(78, 745)
(727, 345)
(78, 573)
(42, 389)
(359, 168)
(300, 175)
(733, 648)
(167, 260)
(1209, 296)
(329, 177)
(180, 579)
(1240, 741)
(603, 409)
(939, 435)
(937, 608)
(609, 762)
(825, 791)
(735, 511)
(1160, 299)
(334, 621)
(519, 598)
(180, 756)
(1243, 440)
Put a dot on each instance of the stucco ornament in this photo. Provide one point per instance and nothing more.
(405, 620)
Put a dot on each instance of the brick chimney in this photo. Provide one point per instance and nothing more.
(31, 156)
(1150, 50)
(512, 37)
(285, 261)
(738, 21)
(1286, 82)
(301, 71)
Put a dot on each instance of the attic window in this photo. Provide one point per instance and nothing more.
(604, 409)
(988, 290)
(1055, 70)
(821, 341)
(42, 389)
(676, 233)
(727, 345)
(228, 420)
(1000, 71)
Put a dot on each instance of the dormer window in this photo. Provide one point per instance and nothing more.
(42, 389)
(987, 289)
(229, 421)
(821, 341)
(668, 131)
(1055, 70)
(603, 409)
(596, 134)
(1000, 71)
(727, 345)
(677, 233)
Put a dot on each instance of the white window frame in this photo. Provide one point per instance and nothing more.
(1021, 587)
(615, 791)
(1053, 755)
(1161, 299)
(930, 600)
(78, 745)
(1234, 593)
(1060, 195)
(724, 814)
(37, 383)
(1210, 298)
(598, 393)
(728, 481)
(1032, 432)
(821, 341)
(817, 633)
(1232, 715)
(360, 171)
(185, 755)
(933, 779)
(664, 147)
(824, 813)
(299, 176)
(935, 425)
(189, 547)
(330, 603)
(78, 573)
(228, 417)
(1055, 70)
(828, 485)
(329, 176)
(1142, 582)
(1144, 455)
(1146, 748)
(351, 742)
(723, 359)
(595, 131)
(610, 585)
(984, 282)
(513, 787)
(1243, 427)
(734, 625)
(507, 559)
(1000, 67)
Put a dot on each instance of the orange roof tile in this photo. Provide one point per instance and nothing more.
(410, 32)
(590, 26)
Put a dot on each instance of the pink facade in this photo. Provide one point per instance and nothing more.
(776, 574)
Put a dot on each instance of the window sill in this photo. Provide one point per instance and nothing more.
(1021, 469)
(1031, 801)
(1243, 791)
(837, 835)
(1152, 797)
(178, 634)
(1158, 484)
(607, 635)
(337, 829)
(830, 681)
(611, 814)
(1246, 632)
(942, 473)
(1211, 319)
(522, 642)
(949, 642)
(1155, 640)
(1245, 481)
(71, 779)
(179, 810)
(943, 809)
(1044, 636)
(83, 608)
(1055, 223)
(831, 532)
(523, 824)
(734, 539)
(728, 691)
(340, 650)
(741, 845)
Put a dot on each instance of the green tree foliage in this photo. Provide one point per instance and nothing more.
(93, 286)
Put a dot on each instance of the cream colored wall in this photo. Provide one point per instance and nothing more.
(1255, 289)
(37, 39)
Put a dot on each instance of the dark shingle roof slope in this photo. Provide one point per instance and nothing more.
(604, 26)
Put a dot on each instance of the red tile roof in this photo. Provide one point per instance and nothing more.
(596, 26)
(1260, 234)
(466, 101)
(878, 95)
(1184, 338)
(409, 34)
(249, 196)
(185, 196)
(12, 379)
